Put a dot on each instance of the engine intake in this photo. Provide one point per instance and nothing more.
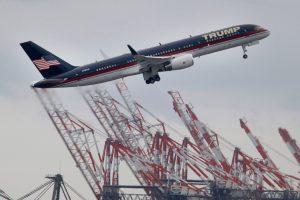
(180, 62)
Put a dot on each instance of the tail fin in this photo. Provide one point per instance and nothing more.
(47, 63)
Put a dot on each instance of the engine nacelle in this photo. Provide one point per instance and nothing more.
(180, 62)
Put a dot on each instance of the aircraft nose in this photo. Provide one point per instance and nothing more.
(265, 31)
(268, 32)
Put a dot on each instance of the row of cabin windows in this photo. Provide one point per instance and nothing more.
(165, 52)
(155, 54)
(131, 60)
(187, 46)
(106, 67)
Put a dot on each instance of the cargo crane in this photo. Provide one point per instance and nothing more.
(281, 179)
(261, 150)
(201, 134)
(96, 100)
(143, 127)
(137, 105)
(130, 135)
(290, 143)
(134, 111)
(249, 171)
(82, 143)
(115, 125)
(163, 167)
(79, 138)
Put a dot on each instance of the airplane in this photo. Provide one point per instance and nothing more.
(149, 62)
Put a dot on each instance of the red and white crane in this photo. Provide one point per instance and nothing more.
(116, 126)
(98, 169)
(144, 166)
(157, 157)
(202, 136)
(179, 107)
(252, 173)
(154, 158)
(80, 140)
(290, 143)
(281, 179)
(261, 150)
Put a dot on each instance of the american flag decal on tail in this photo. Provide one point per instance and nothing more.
(43, 64)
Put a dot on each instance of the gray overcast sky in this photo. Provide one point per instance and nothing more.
(222, 86)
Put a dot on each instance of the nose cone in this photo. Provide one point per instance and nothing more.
(266, 33)
(262, 30)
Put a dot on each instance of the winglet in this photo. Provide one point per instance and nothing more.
(133, 52)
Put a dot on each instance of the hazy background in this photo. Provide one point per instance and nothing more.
(222, 87)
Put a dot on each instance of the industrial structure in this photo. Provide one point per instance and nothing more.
(5, 196)
(291, 144)
(165, 168)
(59, 187)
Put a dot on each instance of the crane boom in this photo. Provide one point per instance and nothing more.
(79, 139)
(290, 143)
(199, 131)
(255, 141)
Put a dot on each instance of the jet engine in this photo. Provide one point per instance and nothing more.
(180, 62)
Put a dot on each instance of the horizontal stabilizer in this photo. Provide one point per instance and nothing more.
(45, 83)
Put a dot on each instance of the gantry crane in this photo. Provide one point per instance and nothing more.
(281, 179)
(154, 158)
(250, 172)
(206, 141)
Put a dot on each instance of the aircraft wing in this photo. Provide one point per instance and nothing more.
(148, 62)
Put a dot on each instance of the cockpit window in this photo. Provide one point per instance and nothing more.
(257, 28)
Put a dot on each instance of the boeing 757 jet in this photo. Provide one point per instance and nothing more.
(149, 62)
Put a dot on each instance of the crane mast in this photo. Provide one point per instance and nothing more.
(200, 133)
(135, 113)
(115, 125)
(255, 141)
(79, 139)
